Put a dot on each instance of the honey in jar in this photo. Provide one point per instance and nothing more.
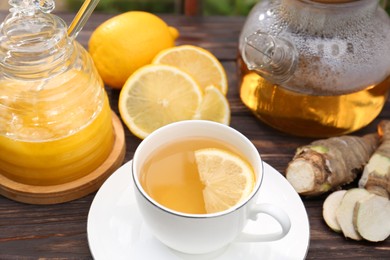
(55, 118)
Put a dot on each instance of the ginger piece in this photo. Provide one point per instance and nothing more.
(376, 174)
(327, 164)
(331, 203)
(372, 218)
(345, 212)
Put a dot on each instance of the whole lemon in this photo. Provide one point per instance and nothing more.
(126, 42)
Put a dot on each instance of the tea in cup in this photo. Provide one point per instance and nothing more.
(181, 201)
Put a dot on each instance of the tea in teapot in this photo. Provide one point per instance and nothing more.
(315, 67)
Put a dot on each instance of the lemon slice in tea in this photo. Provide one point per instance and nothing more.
(228, 179)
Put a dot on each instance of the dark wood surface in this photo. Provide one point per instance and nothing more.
(59, 231)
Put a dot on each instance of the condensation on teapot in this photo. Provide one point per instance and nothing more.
(339, 51)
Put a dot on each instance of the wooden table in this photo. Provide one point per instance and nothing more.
(59, 231)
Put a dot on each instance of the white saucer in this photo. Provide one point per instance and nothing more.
(116, 231)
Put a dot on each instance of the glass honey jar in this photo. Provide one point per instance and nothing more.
(55, 117)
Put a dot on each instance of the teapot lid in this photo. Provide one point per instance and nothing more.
(31, 39)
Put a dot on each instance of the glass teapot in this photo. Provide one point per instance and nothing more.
(315, 67)
(55, 118)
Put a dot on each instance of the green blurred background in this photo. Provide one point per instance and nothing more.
(209, 7)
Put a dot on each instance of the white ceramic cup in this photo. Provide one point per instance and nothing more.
(204, 233)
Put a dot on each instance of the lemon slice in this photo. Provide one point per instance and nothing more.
(201, 64)
(214, 106)
(228, 179)
(156, 95)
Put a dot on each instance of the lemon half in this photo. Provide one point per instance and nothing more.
(156, 95)
(201, 64)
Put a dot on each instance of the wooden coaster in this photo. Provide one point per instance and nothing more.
(81, 187)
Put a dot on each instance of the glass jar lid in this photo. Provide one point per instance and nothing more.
(33, 42)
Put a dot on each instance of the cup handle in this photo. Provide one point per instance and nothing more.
(277, 213)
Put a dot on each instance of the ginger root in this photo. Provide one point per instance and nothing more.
(372, 218)
(358, 214)
(327, 164)
(376, 174)
(331, 203)
(345, 212)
